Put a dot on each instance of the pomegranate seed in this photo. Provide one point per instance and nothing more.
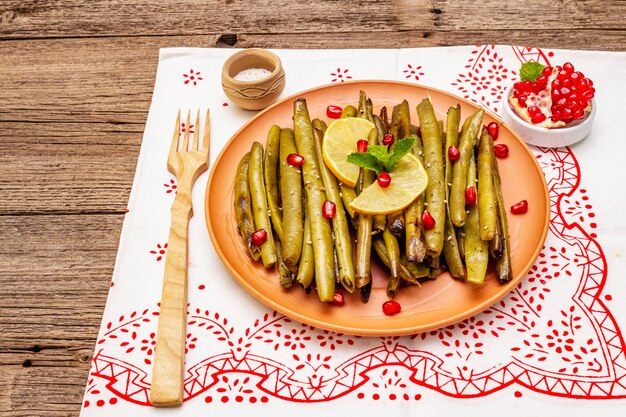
(517, 86)
(573, 105)
(517, 94)
(568, 67)
(334, 112)
(520, 208)
(588, 95)
(556, 116)
(534, 110)
(589, 82)
(470, 195)
(493, 129)
(501, 150)
(384, 179)
(567, 115)
(453, 153)
(527, 86)
(547, 71)
(295, 160)
(428, 220)
(556, 84)
(388, 139)
(338, 299)
(361, 145)
(562, 75)
(391, 307)
(542, 79)
(259, 237)
(558, 68)
(575, 77)
(567, 83)
(553, 108)
(555, 94)
(561, 102)
(538, 118)
(578, 114)
(522, 102)
(329, 209)
(565, 92)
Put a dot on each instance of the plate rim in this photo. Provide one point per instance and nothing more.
(393, 331)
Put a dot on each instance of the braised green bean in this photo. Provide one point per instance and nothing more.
(243, 207)
(291, 192)
(476, 249)
(270, 175)
(503, 266)
(486, 193)
(393, 252)
(259, 203)
(285, 274)
(306, 267)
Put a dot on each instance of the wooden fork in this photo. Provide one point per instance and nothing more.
(169, 355)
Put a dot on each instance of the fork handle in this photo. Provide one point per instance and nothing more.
(169, 355)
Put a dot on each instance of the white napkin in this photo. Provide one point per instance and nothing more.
(550, 344)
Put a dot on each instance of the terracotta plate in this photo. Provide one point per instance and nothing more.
(434, 305)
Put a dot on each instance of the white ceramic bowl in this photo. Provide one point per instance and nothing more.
(541, 136)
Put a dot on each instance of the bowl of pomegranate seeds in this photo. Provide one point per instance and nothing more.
(550, 106)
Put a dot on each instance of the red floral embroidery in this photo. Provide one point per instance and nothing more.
(159, 251)
(171, 187)
(183, 128)
(192, 77)
(340, 75)
(413, 72)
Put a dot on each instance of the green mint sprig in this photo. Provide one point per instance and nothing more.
(530, 71)
(381, 158)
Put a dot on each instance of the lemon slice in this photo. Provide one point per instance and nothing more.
(408, 181)
(340, 141)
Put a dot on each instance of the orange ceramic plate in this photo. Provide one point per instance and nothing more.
(434, 305)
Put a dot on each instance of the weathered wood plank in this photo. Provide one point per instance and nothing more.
(36, 19)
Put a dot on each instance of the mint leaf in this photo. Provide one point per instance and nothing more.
(398, 150)
(530, 71)
(366, 160)
(380, 152)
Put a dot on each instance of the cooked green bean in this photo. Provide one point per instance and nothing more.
(486, 193)
(418, 270)
(315, 197)
(343, 245)
(414, 229)
(369, 110)
(495, 244)
(476, 249)
(362, 107)
(306, 267)
(291, 193)
(270, 175)
(285, 274)
(364, 230)
(400, 126)
(243, 207)
(460, 168)
(379, 246)
(504, 270)
(435, 190)
(393, 252)
(365, 291)
(384, 119)
(348, 195)
(348, 111)
(259, 203)
(450, 245)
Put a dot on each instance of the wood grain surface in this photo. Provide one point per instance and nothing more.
(76, 79)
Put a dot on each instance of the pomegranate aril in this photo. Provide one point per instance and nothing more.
(522, 102)
(338, 299)
(493, 129)
(517, 86)
(391, 307)
(573, 105)
(587, 95)
(428, 220)
(384, 179)
(333, 112)
(527, 86)
(567, 115)
(520, 208)
(556, 84)
(578, 114)
(542, 79)
(329, 209)
(538, 118)
(259, 237)
(547, 71)
(568, 67)
(565, 92)
(558, 68)
(453, 153)
(589, 82)
(501, 150)
(562, 75)
(556, 116)
(567, 83)
(555, 94)
(388, 139)
(575, 77)
(361, 145)
(470, 195)
(517, 94)
(295, 160)
(534, 110)
(561, 102)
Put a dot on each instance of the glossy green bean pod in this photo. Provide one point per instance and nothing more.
(270, 175)
(379, 247)
(348, 195)
(243, 207)
(400, 126)
(503, 267)
(414, 229)
(291, 192)
(285, 274)
(476, 249)
(486, 193)
(259, 203)
(461, 166)
(321, 234)
(306, 267)
(393, 252)
(348, 111)
(435, 193)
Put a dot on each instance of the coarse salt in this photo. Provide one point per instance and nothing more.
(252, 74)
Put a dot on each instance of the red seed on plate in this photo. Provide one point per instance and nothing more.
(470, 195)
(334, 112)
(329, 209)
(501, 150)
(391, 307)
(295, 160)
(259, 237)
(520, 208)
(493, 129)
(384, 179)
(453, 153)
(361, 145)
(388, 139)
(338, 299)
(428, 220)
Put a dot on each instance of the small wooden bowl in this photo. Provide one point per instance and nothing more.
(255, 94)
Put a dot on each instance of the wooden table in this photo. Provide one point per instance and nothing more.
(76, 80)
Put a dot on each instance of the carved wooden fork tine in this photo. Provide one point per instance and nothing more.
(169, 355)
